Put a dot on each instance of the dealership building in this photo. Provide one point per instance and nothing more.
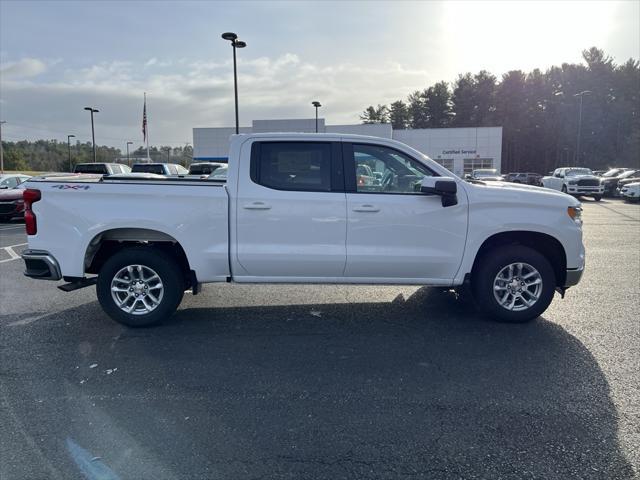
(460, 150)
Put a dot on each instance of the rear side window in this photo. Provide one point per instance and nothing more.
(142, 168)
(91, 168)
(302, 166)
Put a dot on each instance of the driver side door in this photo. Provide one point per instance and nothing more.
(395, 233)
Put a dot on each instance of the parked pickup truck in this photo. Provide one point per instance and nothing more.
(292, 211)
(575, 181)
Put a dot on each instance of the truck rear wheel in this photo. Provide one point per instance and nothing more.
(140, 286)
(513, 284)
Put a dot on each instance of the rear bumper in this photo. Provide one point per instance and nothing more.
(41, 265)
(573, 277)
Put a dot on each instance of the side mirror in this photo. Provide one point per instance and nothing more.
(446, 187)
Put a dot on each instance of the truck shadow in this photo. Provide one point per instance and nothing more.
(418, 387)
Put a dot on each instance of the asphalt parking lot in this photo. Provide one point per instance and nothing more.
(326, 382)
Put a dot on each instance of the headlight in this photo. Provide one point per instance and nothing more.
(576, 214)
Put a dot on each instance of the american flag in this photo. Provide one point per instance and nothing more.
(144, 119)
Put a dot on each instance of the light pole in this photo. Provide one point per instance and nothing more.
(128, 159)
(1, 149)
(235, 43)
(93, 133)
(69, 137)
(316, 104)
(581, 94)
(168, 151)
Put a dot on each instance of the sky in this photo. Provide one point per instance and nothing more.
(56, 57)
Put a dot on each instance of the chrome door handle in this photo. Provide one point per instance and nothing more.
(256, 206)
(366, 208)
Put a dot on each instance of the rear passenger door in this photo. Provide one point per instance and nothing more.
(291, 212)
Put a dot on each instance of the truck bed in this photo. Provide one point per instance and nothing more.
(76, 211)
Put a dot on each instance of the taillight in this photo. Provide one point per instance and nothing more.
(30, 196)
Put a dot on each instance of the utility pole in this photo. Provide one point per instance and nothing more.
(235, 43)
(128, 159)
(93, 133)
(1, 149)
(317, 105)
(581, 94)
(69, 137)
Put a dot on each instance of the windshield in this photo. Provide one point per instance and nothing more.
(220, 174)
(578, 171)
(613, 172)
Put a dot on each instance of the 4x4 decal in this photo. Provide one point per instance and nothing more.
(71, 187)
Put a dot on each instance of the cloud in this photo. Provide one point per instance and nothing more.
(198, 94)
(26, 67)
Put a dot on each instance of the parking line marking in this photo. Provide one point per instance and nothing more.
(13, 255)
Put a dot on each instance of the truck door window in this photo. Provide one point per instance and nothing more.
(303, 166)
(385, 170)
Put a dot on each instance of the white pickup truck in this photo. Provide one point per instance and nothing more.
(294, 210)
(575, 181)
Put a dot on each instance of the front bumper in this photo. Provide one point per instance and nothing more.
(580, 190)
(41, 265)
(573, 277)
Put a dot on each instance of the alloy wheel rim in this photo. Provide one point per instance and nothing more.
(137, 289)
(517, 287)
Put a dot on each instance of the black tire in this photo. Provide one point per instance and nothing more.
(486, 271)
(597, 198)
(162, 264)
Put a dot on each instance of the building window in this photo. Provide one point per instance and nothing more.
(471, 164)
(445, 162)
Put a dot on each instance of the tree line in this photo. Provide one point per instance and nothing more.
(53, 156)
(539, 112)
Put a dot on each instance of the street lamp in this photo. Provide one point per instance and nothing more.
(168, 151)
(93, 133)
(1, 149)
(128, 159)
(235, 43)
(69, 137)
(581, 94)
(316, 104)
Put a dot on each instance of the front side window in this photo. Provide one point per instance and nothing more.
(302, 166)
(385, 170)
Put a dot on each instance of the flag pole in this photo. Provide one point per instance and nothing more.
(146, 127)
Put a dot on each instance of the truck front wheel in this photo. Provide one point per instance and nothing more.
(513, 284)
(140, 286)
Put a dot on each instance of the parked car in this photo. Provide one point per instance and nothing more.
(12, 180)
(525, 178)
(101, 168)
(11, 203)
(631, 192)
(575, 181)
(204, 168)
(611, 184)
(159, 168)
(630, 179)
(292, 212)
(487, 175)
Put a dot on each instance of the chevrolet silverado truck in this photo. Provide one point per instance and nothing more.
(293, 211)
(575, 181)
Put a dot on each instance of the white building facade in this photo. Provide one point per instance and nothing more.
(460, 150)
